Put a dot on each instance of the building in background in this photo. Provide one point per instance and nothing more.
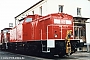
(79, 9)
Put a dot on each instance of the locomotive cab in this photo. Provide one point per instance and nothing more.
(60, 35)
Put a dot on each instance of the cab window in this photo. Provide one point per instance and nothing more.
(28, 19)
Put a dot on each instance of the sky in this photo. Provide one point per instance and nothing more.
(9, 9)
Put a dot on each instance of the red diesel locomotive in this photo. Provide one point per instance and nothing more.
(52, 34)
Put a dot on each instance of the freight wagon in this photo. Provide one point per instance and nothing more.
(52, 34)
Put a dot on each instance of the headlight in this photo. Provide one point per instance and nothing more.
(72, 36)
(56, 35)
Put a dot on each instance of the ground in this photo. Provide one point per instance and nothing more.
(13, 56)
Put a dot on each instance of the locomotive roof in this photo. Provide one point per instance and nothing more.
(30, 15)
(57, 14)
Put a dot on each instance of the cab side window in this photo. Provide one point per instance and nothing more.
(28, 19)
